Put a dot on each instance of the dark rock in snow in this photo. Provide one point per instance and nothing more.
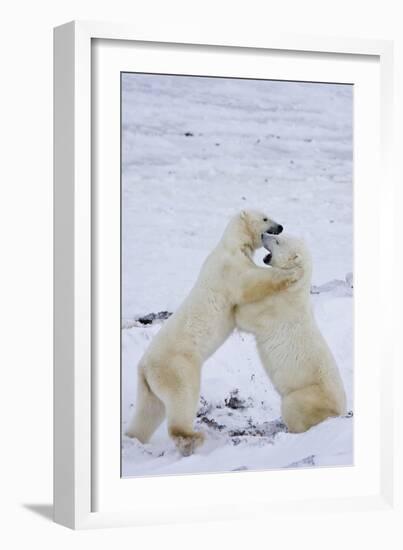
(211, 423)
(151, 317)
(266, 429)
(235, 402)
(205, 407)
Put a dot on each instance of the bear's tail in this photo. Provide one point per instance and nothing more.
(149, 413)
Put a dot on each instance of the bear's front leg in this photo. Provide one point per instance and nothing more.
(260, 282)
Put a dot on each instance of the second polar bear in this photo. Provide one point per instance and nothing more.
(293, 351)
(169, 371)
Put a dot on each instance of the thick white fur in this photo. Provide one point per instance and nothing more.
(293, 351)
(169, 372)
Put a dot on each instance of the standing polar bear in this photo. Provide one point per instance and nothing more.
(292, 349)
(169, 371)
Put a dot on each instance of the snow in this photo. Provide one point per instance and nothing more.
(195, 151)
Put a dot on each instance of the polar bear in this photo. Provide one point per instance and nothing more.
(169, 371)
(294, 353)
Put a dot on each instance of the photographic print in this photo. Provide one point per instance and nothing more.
(236, 274)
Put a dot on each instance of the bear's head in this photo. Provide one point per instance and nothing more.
(286, 252)
(255, 224)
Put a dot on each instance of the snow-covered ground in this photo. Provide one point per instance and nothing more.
(195, 151)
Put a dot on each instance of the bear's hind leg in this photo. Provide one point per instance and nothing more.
(149, 413)
(181, 400)
(306, 407)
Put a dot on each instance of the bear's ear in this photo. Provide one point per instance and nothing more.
(243, 214)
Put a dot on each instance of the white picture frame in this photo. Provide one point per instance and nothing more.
(77, 470)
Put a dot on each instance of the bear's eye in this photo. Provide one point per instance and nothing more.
(265, 220)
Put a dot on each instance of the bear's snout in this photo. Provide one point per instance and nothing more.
(275, 229)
